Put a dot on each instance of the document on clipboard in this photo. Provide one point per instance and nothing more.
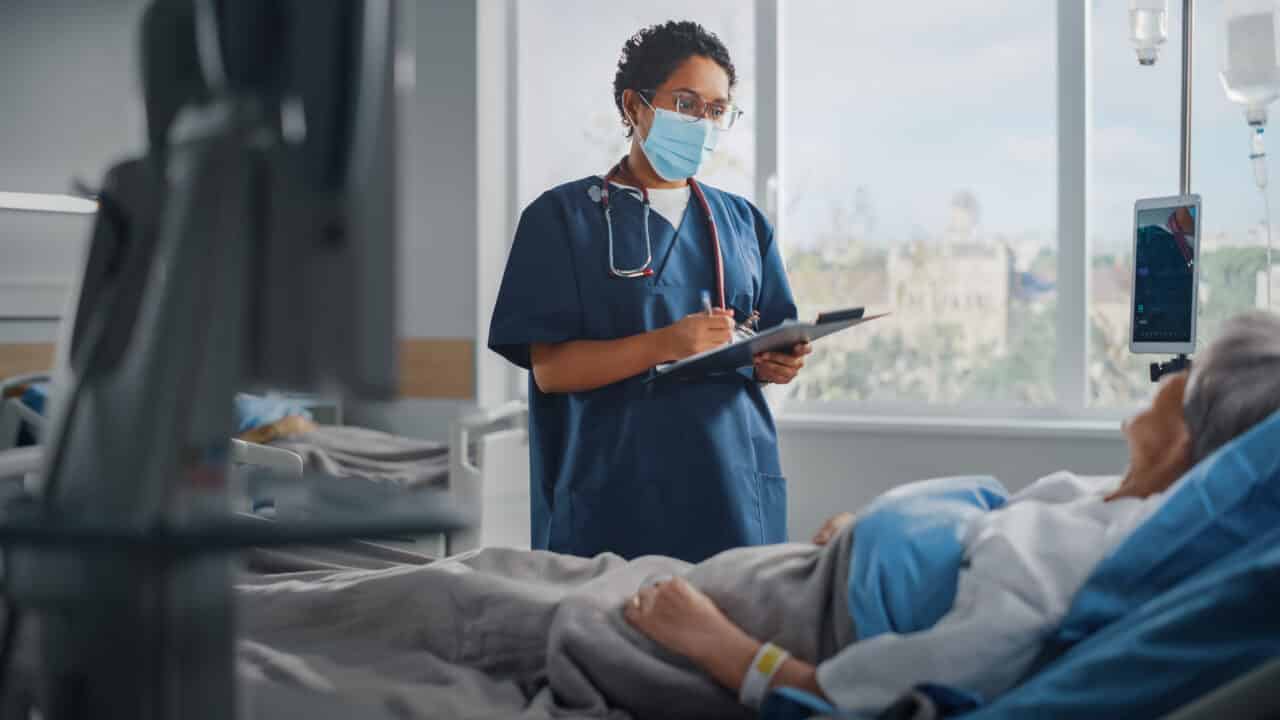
(783, 337)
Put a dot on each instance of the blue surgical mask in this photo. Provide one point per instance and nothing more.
(677, 148)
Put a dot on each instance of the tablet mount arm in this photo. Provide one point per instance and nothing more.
(1174, 365)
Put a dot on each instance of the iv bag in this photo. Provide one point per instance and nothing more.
(1249, 66)
(1148, 28)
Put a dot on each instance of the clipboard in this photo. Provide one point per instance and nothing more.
(739, 354)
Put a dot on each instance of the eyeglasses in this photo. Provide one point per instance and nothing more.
(693, 108)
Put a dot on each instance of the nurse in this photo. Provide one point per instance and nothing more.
(608, 277)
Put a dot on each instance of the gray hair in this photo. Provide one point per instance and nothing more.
(1234, 383)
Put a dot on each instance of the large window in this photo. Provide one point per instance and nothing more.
(567, 55)
(1134, 155)
(935, 160)
(920, 176)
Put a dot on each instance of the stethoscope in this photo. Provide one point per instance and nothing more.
(646, 269)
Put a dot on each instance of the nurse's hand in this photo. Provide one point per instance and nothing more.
(697, 333)
(832, 527)
(781, 368)
(680, 618)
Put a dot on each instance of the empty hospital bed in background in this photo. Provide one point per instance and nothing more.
(489, 476)
(484, 466)
(265, 473)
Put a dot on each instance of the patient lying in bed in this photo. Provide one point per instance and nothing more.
(686, 635)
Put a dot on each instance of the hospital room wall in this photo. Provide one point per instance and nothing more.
(66, 66)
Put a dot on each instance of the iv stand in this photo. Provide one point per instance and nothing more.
(1182, 362)
(1188, 29)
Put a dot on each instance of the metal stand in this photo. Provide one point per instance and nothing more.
(1182, 362)
(1188, 30)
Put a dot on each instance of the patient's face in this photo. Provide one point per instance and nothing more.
(1159, 442)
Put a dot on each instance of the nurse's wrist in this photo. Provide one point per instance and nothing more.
(663, 346)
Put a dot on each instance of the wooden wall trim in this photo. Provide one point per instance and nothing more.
(437, 368)
(21, 358)
(429, 367)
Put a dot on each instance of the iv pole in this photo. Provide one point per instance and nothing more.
(1182, 362)
(1188, 29)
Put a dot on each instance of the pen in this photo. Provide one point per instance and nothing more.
(706, 301)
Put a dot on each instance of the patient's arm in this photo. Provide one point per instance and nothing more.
(684, 620)
(832, 527)
(728, 663)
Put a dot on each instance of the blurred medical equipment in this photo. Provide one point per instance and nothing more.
(47, 202)
(1148, 28)
(1249, 68)
(122, 560)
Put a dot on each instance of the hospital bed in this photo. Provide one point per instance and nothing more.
(487, 472)
(23, 426)
(489, 475)
(261, 473)
(1256, 694)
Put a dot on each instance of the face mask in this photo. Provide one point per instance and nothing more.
(675, 147)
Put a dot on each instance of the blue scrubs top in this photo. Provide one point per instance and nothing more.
(682, 469)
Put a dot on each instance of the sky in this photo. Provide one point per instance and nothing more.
(916, 106)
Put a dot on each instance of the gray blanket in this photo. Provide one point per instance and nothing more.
(513, 634)
(343, 451)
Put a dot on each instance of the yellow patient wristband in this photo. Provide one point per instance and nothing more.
(755, 684)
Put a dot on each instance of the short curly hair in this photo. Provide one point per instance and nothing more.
(650, 56)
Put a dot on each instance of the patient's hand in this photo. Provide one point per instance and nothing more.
(681, 618)
(832, 527)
